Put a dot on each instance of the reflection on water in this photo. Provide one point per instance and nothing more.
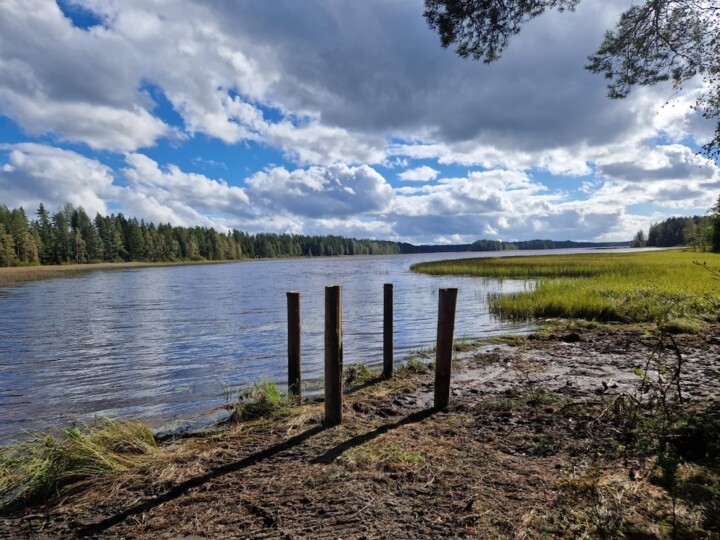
(164, 343)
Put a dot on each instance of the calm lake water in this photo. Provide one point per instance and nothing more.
(167, 343)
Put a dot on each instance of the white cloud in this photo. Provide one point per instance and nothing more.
(337, 190)
(218, 62)
(506, 205)
(314, 143)
(335, 88)
(481, 192)
(35, 174)
(57, 79)
(169, 194)
(559, 161)
(419, 174)
(666, 162)
(501, 204)
(453, 239)
(354, 228)
(669, 176)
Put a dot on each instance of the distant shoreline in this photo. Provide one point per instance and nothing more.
(14, 275)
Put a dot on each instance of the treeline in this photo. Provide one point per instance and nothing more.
(551, 244)
(500, 245)
(696, 232)
(479, 245)
(71, 236)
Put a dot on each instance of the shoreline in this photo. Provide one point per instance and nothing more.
(15, 275)
(531, 446)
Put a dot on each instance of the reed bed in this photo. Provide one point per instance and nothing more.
(672, 287)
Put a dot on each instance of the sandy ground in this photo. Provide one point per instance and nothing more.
(528, 449)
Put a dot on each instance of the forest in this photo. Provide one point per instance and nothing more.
(696, 232)
(70, 236)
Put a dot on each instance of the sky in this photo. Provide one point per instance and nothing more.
(336, 117)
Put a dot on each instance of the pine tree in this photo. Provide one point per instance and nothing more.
(7, 248)
(44, 229)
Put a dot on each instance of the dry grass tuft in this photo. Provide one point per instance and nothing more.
(47, 465)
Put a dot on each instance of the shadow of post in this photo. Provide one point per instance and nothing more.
(334, 453)
(184, 487)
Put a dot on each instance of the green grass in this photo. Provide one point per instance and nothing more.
(414, 365)
(44, 466)
(358, 374)
(628, 287)
(263, 400)
(465, 344)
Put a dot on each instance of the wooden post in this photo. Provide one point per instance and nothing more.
(388, 331)
(333, 355)
(443, 359)
(294, 374)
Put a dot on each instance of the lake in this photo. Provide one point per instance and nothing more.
(166, 343)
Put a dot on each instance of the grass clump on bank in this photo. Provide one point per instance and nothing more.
(263, 400)
(627, 287)
(359, 374)
(49, 465)
(414, 366)
(44, 466)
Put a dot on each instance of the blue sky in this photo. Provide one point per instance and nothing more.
(323, 117)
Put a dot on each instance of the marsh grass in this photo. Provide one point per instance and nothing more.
(415, 366)
(44, 466)
(664, 286)
(359, 374)
(262, 400)
(465, 344)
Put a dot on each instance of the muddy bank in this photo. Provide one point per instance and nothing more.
(529, 448)
(581, 364)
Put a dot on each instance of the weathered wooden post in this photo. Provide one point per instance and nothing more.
(443, 359)
(388, 331)
(333, 355)
(293, 316)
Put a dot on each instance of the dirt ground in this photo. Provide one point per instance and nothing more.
(529, 448)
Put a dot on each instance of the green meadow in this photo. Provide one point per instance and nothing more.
(676, 288)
